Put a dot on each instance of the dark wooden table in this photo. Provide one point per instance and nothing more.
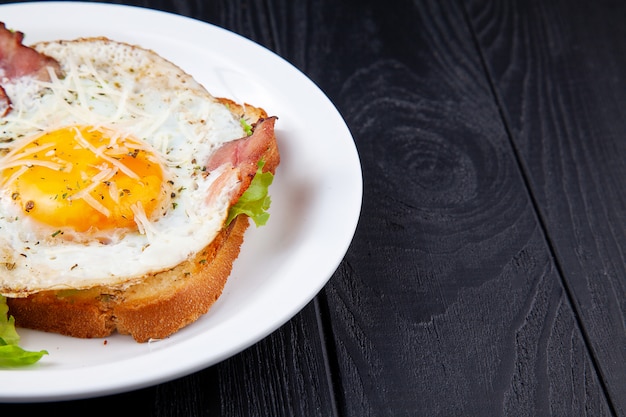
(488, 272)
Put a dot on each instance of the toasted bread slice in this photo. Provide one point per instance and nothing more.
(162, 303)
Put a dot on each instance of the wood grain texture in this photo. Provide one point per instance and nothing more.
(448, 302)
(558, 69)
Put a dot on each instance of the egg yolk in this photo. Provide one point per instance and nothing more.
(81, 177)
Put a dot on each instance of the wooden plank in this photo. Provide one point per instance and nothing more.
(448, 302)
(558, 70)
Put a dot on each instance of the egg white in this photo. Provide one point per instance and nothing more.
(132, 91)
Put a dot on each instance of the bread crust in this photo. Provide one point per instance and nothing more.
(159, 305)
(153, 309)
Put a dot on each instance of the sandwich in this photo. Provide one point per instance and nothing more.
(126, 188)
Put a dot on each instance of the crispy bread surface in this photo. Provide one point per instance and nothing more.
(159, 305)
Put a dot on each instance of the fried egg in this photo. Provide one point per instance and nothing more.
(102, 177)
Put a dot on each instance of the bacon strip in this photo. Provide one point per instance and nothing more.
(244, 154)
(5, 103)
(17, 60)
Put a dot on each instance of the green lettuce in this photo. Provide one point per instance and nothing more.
(11, 354)
(255, 201)
(246, 126)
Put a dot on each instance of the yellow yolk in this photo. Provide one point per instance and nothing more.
(82, 178)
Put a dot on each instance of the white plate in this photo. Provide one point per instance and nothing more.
(316, 202)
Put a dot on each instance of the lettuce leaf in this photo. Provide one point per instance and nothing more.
(11, 354)
(255, 201)
(246, 126)
(8, 334)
